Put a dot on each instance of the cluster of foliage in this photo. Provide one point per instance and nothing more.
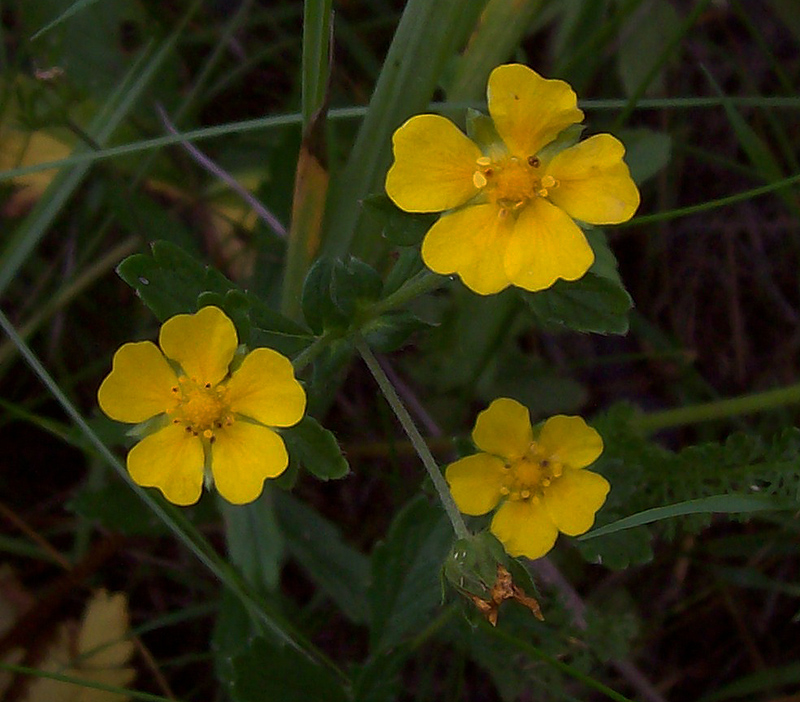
(266, 181)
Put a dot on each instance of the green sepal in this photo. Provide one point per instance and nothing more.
(481, 129)
(598, 302)
(400, 228)
(471, 565)
(566, 138)
(316, 449)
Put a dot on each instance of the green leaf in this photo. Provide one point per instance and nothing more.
(725, 504)
(339, 570)
(316, 449)
(596, 303)
(646, 36)
(354, 284)
(172, 282)
(646, 152)
(400, 228)
(255, 542)
(319, 309)
(619, 550)
(391, 331)
(378, 680)
(405, 590)
(269, 672)
(117, 509)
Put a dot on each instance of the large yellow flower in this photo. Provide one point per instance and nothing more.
(510, 204)
(213, 419)
(538, 479)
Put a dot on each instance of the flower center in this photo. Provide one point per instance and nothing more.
(529, 476)
(510, 182)
(202, 409)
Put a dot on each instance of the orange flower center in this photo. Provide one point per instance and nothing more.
(202, 409)
(529, 476)
(510, 182)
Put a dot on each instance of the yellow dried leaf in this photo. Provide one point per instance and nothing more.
(97, 653)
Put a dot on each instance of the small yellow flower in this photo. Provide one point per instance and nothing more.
(539, 480)
(509, 206)
(212, 418)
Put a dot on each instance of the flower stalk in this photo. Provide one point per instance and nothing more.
(400, 411)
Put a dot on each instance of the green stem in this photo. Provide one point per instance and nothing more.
(423, 282)
(712, 204)
(719, 409)
(459, 527)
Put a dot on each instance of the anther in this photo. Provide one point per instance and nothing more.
(188, 429)
(504, 490)
(534, 162)
(174, 389)
(478, 179)
(208, 386)
(484, 161)
(525, 494)
(549, 182)
(208, 433)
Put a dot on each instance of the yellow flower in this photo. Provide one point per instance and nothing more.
(212, 418)
(539, 480)
(509, 206)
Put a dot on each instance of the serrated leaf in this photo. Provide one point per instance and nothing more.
(269, 672)
(596, 303)
(316, 449)
(339, 570)
(405, 588)
(172, 282)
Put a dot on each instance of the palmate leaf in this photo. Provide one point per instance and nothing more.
(597, 302)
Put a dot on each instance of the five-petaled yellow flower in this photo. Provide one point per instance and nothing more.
(212, 419)
(509, 205)
(538, 479)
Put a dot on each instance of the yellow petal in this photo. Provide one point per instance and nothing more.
(573, 498)
(570, 441)
(140, 384)
(264, 388)
(433, 167)
(594, 183)
(524, 528)
(171, 460)
(504, 429)
(529, 111)
(242, 457)
(546, 245)
(475, 482)
(472, 243)
(203, 343)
